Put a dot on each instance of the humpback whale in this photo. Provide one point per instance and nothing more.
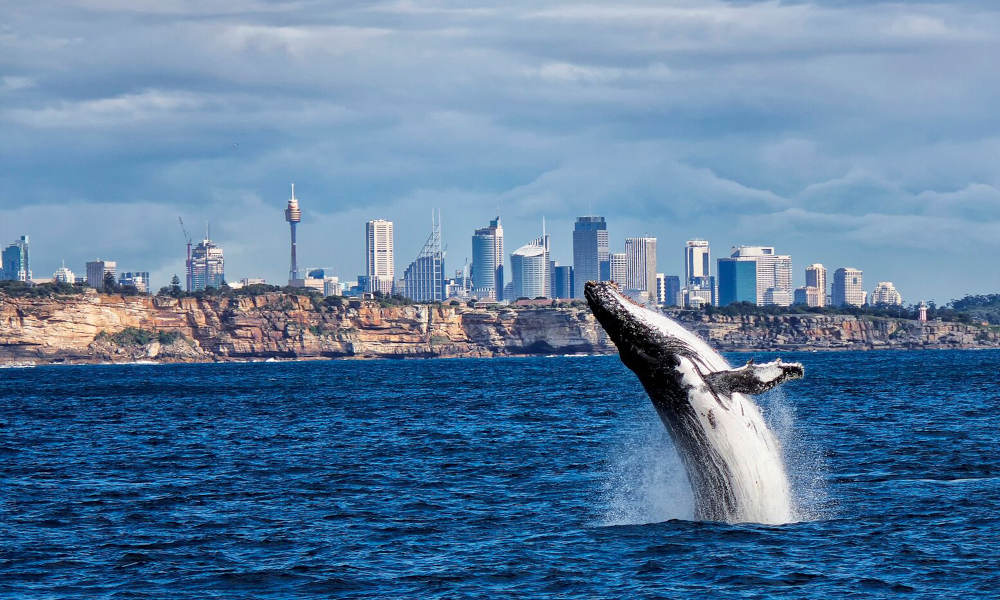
(733, 460)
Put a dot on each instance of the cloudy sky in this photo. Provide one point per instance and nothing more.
(849, 133)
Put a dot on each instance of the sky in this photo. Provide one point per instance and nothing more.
(860, 134)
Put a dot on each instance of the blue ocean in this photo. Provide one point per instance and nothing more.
(524, 477)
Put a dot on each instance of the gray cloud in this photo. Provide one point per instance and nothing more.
(838, 131)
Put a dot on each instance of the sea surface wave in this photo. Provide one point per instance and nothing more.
(534, 477)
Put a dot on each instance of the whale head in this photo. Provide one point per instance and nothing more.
(645, 343)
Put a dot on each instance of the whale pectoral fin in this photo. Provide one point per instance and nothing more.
(752, 378)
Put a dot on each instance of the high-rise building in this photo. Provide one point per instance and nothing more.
(640, 270)
(848, 287)
(562, 281)
(885, 294)
(529, 271)
(423, 280)
(661, 288)
(379, 258)
(293, 215)
(590, 253)
(208, 266)
(332, 286)
(672, 290)
(816, 278)
(487, 261)
(697, 261)
(15, 261)
(97, 270)
(737, 280)
(137, 279)
(809, 296)
(774, 273)
(64, 275)
(618, 266)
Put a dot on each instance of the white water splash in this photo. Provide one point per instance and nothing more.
(646, 482)
(803, 459)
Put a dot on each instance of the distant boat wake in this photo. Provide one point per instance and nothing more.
(732, 458)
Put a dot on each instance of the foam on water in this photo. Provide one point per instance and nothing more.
(645, 482)
(804, 462)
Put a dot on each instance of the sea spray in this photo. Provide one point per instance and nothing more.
(804, 460)
(645, 481)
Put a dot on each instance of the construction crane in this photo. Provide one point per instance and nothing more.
(187, 264)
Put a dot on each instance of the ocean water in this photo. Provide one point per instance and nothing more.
(533, 477)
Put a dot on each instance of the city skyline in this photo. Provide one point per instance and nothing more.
(773, 285)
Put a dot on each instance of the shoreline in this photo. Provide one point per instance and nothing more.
(301, 359)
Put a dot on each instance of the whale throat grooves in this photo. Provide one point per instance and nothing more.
(732, 458)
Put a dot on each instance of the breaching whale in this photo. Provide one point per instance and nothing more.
(732, 458)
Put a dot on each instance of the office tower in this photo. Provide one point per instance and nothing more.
(208, 266)
(848, 287)
(423, 280)
(672, 290)
(64, 275)
(809, 296)
(618, 267)
(137, 279)
(640, 270)
(332, 286)
(562, 281)
(293, 215)
(16, 261)
(97, 270)
(885, 294)
(379, 259)
(529, 271)
(737, 280)
(487, 261)
(774, 274)
(531, 275)
(661, 288)
(816, 278)
(697, 261)
(590, 253)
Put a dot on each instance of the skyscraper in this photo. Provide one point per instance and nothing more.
(64, 275)
(487, 261)
(97, 270)
(293, 215)
(697, 260)
(423, 280)
(774, 274)
(16, 263)
(208, 266)
(737, 280)
(618, 267)
(640, 270)
(672, 290)
(562, 281)
(816, 278)
(885, 294)
(379, 259)
(529, 271)
(848, 287)
(590, 253)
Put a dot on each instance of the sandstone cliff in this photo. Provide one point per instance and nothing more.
(276, 325)
(92, 328)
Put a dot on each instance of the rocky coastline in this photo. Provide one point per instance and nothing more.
(102, 328)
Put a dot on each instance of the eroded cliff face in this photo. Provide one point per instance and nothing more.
(282, 326)
(80, 328)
